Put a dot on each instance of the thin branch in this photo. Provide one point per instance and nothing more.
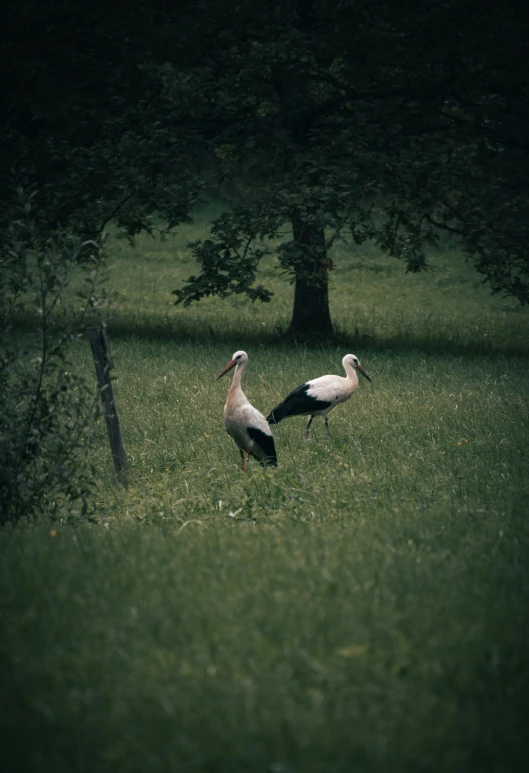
(43, 363)
(114, 211)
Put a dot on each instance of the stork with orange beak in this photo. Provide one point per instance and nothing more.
(246, 426)
(320, 395)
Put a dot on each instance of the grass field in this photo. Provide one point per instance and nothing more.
(364, 607)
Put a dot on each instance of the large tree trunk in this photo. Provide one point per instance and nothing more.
(311, 318)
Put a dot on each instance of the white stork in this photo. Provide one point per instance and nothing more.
(246, 426)
(320, 395)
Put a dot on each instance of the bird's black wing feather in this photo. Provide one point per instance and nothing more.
(266, 442)
(300, 390)
(297, 403)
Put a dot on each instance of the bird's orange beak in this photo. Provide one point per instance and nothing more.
(362, 371)
(231, 364)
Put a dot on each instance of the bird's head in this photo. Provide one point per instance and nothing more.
(352, 359)
(239, 358)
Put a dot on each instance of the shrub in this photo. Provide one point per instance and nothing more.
(46, 410)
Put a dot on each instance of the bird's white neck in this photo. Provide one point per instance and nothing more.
(236, 380)
(351, 373)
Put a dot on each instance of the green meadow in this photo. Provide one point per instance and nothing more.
(363, 607)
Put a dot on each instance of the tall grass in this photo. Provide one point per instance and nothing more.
(362, 607)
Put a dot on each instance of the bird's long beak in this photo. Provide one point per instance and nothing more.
(231, 364)
(362, 371)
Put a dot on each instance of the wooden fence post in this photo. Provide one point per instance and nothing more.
(103, 364)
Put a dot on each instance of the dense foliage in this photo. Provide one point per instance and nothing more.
(46, 408)
(370, 131)
(343, 120)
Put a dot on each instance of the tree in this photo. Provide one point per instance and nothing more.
(82, 115)
(476, 183)
(365, 121)
(371, 132)
(79, 108)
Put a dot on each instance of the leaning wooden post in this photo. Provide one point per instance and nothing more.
(103, 364)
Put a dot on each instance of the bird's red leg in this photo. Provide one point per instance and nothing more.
(242, 458)
(248, 458)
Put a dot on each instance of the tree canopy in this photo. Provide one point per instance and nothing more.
(354, 120)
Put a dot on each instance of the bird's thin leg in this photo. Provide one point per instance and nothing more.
(327, 425)
(242, 458)
(306, 433)
(248, 457)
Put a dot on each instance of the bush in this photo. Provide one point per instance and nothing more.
(46, 410)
